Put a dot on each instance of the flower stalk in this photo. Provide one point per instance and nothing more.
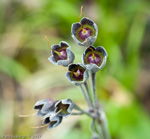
(93, 84)
(104, 126)
(88, 94)
(76, 107)
(85, 96)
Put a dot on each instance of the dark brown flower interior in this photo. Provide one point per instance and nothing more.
(39, 107)
(96, 59)
(77, 73)
(62, 52)
(62, 108)
(84, 32)
(53, 123)
(46, 121)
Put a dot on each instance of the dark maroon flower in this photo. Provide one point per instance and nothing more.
(77, 74)
(84, 31)
(94, 59)
(61, 54)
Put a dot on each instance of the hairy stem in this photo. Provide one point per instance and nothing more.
(82, 111)
(104, 126)
(85, 96)
(93, 82)
(88, 94)
(95, 135)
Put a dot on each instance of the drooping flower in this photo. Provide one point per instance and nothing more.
(44, 107)
(77, 74)
(94, 59)
(64, 107)
(61, 54)
(84, 31)
(52, 119)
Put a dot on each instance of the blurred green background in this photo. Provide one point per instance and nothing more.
(27, 76)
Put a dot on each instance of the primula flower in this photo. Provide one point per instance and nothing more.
(84, 31)
(77, 74)
(45, 106)
(54, 120)
(64, 107)
(94, 60)
(61, 54)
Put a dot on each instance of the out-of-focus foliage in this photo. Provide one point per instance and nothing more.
(27, 76)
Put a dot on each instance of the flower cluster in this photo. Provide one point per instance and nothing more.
(53, 111)
(94, 59)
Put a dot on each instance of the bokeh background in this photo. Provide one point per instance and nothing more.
(27, 76)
